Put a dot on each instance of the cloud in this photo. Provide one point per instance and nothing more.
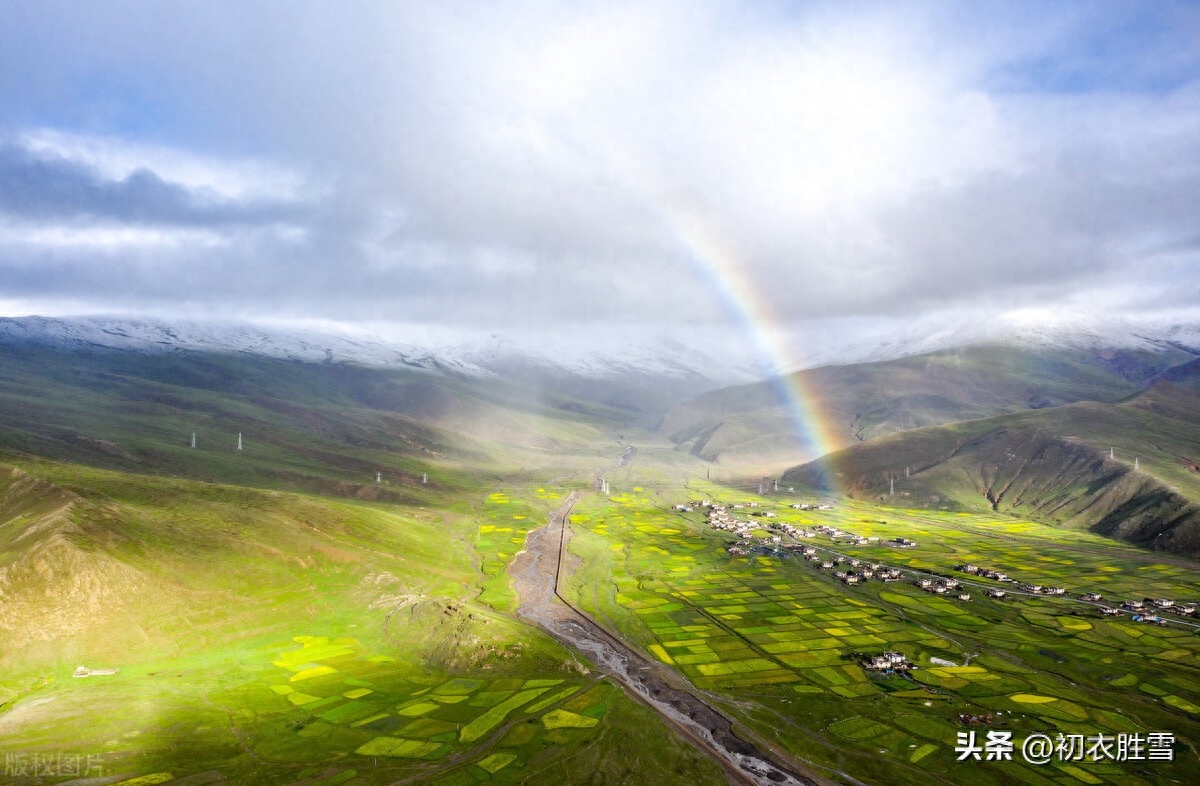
(42, 186)
(533, 165)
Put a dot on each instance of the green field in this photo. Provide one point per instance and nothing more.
(776, 634)
(277, 617)
(272, 637)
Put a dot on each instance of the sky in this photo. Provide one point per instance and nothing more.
(569, 168)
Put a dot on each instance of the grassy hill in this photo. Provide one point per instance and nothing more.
(1051, 464)
(275, 615)
(749, 424)
(326, 428)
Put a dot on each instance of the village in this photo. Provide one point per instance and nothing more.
(851, 571)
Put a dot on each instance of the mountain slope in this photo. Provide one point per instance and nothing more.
(1052, 465)
(642, 376)
(865, 401)
(320, 427)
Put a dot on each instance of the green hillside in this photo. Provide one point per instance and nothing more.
(315, 427)
(748, 424)
(275, 615)
(1050, 464)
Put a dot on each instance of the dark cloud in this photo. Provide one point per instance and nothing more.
(52, 188)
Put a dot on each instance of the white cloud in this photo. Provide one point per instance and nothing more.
(522, 163)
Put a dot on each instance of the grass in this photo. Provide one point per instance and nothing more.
(279, 619)
(263, 634)
(776, 634)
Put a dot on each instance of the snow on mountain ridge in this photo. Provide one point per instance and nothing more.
(485, 358)
(629, 357)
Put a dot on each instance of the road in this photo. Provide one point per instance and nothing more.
(536, 575)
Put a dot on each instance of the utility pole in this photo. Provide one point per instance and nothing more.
(1135, 464)
(193, 439)
(424, 478)
(892, 491)
(1110, 453)
(239, 440)
(378, 477)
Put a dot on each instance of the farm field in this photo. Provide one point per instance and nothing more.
(269, 637)
(265, 636)
(773, 635)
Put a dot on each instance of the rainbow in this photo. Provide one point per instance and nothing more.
(723, 267)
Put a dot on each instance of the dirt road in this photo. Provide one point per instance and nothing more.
(536, 575)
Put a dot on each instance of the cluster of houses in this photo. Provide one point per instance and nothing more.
(941, 587)
(852, 571)
(860, 571)
(1142, 610)
(795, 532)
(888, 662)
(836, 534)
(719, 518)
(1039, 589)
(986, 573)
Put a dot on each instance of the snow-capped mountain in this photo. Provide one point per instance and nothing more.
(1031, 330)
(542, 357)
(488, 356)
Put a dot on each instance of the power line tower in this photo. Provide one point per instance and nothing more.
(378, 477)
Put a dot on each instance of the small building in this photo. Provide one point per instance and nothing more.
(965, 596)
(887, 662)
(84, 671)
(1092, 596)
(997, 594)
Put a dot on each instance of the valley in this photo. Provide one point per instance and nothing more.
(482, 611)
